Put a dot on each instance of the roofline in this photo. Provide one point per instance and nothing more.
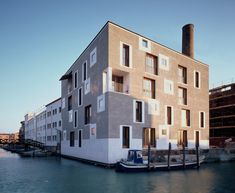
(157, 43)
(88, 46)
(135, 34)
(219, 87)
(53, 102)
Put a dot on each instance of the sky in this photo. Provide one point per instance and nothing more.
(40, 40)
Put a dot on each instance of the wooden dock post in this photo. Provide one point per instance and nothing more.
(183, 155)
(169, 154)
(149, 156)
(197, 154)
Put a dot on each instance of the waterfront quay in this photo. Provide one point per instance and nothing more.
(59, 175)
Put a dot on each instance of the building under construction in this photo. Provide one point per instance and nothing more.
(222, 115)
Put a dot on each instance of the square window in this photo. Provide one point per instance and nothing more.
(145, 43)
(93, 57)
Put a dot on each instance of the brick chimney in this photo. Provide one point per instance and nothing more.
(188, 40)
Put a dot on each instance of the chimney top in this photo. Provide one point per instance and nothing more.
(188, 40)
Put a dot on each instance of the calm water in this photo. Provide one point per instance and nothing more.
(55, 175)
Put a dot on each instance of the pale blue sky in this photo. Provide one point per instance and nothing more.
(39, 40)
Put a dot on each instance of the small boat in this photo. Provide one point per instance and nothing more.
(135, 163)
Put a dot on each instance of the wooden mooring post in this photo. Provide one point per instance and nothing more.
(197, 154)
(149, 154)
(169, 155)
(183, 155)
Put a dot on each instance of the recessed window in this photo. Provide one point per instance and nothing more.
(79, 138)
(168, 87)
(138, 111)
(182, 96)
(71, 139)
(87, 114)
(182, 74)
(126, 55)
(202, 119)
(185, 116)
(169, 115)
(100, 103)
(182, 138)
(125, 137)
(63, 103)
(87, 86)
(149, 137)
(153, 107)
(75, 80)
(163, 62)
(93, 57)
(197, 81)
(84, 71)
(117, 83)
(80, 96)
(151, 65)
(149, 88)
(75, 119)
(71, 116)
(145, 43)
(92, 131)
(69, 103)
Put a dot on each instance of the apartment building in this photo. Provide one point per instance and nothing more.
(44, 125)
(222, 113)
(125, 91)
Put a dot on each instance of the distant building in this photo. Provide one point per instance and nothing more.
(125, 91)
(22, 132)
(222, 114)
(9, 137)
(44, 125)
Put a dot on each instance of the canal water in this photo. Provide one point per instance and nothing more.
(55, 175)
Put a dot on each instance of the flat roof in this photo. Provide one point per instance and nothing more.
(53, 101)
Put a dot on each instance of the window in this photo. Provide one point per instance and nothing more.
(80, 138)
(169, 115)
(80, 96)
(202, 119)
(151, 64)
(48, 126)
(93, 57)
(149, 88)
(182, 138)
(100, 103)
(168, 87)
(63, 103)
(163, 62)
(125, 137)
(84, 68)
(138, 111)
(71, 139)
(59, 109)
(87, 114)
(153, 107)
(70, 103)
(125, 55)
(49, 114)
(182, 96)
(70, 116)
(182, 72)
(185, 115)
(48, 138)
(60, 124)
(145, 43)
(75, 119)
(87, 86)
(149, 137)
(75, 80)
(117, 83)
(197, 79)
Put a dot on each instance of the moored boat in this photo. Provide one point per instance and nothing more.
(135, 163)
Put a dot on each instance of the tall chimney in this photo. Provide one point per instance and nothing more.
(188, 40)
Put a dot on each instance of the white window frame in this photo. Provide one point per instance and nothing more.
(134, 111)
(91, 54)
(194, 79)
(130, 137)
(172, 115)
(70, 113)
(83, 80)
(166, 88)
(161, 66)
(153, 107)
(87, 86)
(204, 122)
(102, 107)
(75, 73)
(141, 47)
(186, 118)
(130, 54)
(79, 105)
